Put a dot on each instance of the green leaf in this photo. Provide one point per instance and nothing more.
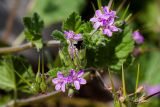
(34, 26)
(123, 50)
(7, 77)
(57, 10)
(86, 27)
(72, 23)
(4, 100)
(103, 52)
(59, 36)
(9, 67)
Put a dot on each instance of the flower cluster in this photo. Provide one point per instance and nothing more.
(71, 37)
(105, 19)
(73, 79)
(139, 39)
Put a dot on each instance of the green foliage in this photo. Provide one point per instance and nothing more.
(7, 77)
(65, 57)
(4, 99)
(34, 26)
(86, 27)
(103, 52)
(59, 36)
(57, 10)
(10, 71)
(73, 23)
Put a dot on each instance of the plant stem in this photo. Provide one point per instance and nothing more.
(116, 100)
(137, 80)
(15, 96)
(123, 82)
(43, 76)
(26, 46)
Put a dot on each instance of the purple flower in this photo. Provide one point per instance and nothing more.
(60, 82)
(70, 35)
(109, 29)
(110, 14)
(105, 19)
(137, 51)
(99, 19)
(152, 89)
(73, 78)
(76, 78)
(139, 39)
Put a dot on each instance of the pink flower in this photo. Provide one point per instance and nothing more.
(70, 35)
(105, 20)
(60, 82)
(139, 39)
(76, 78)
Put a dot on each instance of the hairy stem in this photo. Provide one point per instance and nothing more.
(26, 46)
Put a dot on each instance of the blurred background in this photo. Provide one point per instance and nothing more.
(146, 18)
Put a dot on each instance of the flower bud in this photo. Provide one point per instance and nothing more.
(43, 87)
(139, 89)
(35, 88)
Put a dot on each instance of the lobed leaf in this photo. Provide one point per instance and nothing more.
(34, 26)
(73, 23)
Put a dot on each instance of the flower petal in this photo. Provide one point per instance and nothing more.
(63, 87)
(57, 87)
(77, 37)
(77, 85)
(97, 25)
(93, 19)
(107, 32)
(59, 74)
(82, 81)
(72, 72)
(80, 73)
(106, 9)
(113, 28)
(55, 80)
(98, 13)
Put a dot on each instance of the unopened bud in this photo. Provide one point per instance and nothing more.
(139, 89)
(43, 87)
(35, 88)
(122, 99)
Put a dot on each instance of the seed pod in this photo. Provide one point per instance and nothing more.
(43, 87)
(38, 78)
(35, 88)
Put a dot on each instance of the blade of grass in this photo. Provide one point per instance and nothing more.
(99, 2)
(123, 82)
(121, 5)
(100, 78)
(110, 4)
(94, 8)
(22, 78)
(125, 12)
(128, 17)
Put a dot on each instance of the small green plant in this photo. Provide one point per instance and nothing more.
(104, 43)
